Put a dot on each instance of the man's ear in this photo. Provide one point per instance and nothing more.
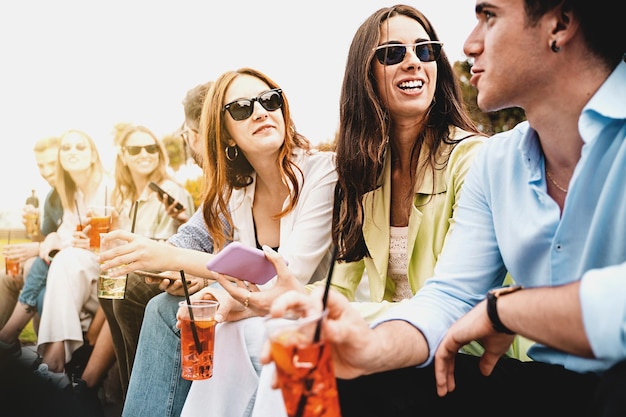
(565, 24)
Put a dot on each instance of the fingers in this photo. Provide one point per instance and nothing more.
(444, 371)
(223, 310)
(241, 291)
(277, 260)
(226, 283)
(175, 288)
(120, 234)
(487, 362)
(150, 280)
(294, 301)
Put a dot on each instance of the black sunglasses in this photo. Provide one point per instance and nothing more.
(392, 54)
(242, 108)
(134, 150)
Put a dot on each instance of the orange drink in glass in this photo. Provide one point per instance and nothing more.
(197, 337)
(100, 221)
(12, 266)
(304, 369)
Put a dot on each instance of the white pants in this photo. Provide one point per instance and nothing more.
(71, 299)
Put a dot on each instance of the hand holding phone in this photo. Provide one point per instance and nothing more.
(155, 278)
(153, 275)
(155, 187)
(243, 262)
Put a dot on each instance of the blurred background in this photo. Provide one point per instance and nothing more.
(95, 65)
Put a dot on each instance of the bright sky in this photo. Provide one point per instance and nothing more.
(89, 65)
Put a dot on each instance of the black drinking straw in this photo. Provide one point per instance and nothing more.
(132, 227)
(308, 382)
(194, 331)
(318, 329)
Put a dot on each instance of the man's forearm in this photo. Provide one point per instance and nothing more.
(400, 345)
(549, 315)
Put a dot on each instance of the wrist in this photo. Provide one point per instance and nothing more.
(492, 307)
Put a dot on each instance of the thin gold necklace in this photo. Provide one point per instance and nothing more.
(554, 182)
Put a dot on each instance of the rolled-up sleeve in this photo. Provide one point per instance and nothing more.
(603, 301)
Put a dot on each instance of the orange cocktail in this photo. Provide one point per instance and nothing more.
(12, 266)
(99, 224)
(304, 369)
(197, 339)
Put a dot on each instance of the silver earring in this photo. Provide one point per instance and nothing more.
(554, 48)
(232, 152)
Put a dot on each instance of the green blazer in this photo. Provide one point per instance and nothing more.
(430, 221)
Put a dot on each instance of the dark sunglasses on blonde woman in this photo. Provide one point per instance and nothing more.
(243, 108)
(393, 53)
(134, 150)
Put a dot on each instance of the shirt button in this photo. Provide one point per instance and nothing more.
(558, 247)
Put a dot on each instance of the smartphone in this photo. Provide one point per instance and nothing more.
(243, 262)
(157, 276)
(155, 187)
(152, 274)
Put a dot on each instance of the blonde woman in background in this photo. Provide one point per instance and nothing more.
(82, 182)
(141, 159)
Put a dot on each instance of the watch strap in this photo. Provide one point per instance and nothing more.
(492, 308)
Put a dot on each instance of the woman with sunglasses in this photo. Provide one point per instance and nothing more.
(263, 185)
(140, 159)
(404, 146)
(70, 302)
(402, 116)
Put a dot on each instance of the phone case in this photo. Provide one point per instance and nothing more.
(243, 262)
(150, 274)
(155, 187)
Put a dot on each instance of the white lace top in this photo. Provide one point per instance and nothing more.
(399, 262)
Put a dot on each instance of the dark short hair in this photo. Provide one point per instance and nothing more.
(192, 103)
(601, 21)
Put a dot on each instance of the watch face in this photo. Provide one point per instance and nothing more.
(505, 290)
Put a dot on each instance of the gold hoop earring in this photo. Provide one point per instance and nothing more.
(232, 152)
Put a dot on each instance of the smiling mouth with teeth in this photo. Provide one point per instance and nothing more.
(411, 84)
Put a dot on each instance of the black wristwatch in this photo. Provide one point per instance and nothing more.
(492, 309)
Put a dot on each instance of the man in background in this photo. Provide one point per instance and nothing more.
(46, 152)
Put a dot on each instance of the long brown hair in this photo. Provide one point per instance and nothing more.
(364, 126)
(222, 175)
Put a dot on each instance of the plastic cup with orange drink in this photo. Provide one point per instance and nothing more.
(12, 266)
(100, 221)
(304, 367)
(197, 337)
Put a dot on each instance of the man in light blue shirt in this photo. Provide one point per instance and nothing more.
(546, 202)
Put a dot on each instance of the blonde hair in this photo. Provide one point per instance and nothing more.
(125, 189)
(44, 144)
(64, 183)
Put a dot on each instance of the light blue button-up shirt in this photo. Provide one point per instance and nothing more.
(506, 221)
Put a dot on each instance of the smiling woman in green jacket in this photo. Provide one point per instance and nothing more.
(404, 147)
